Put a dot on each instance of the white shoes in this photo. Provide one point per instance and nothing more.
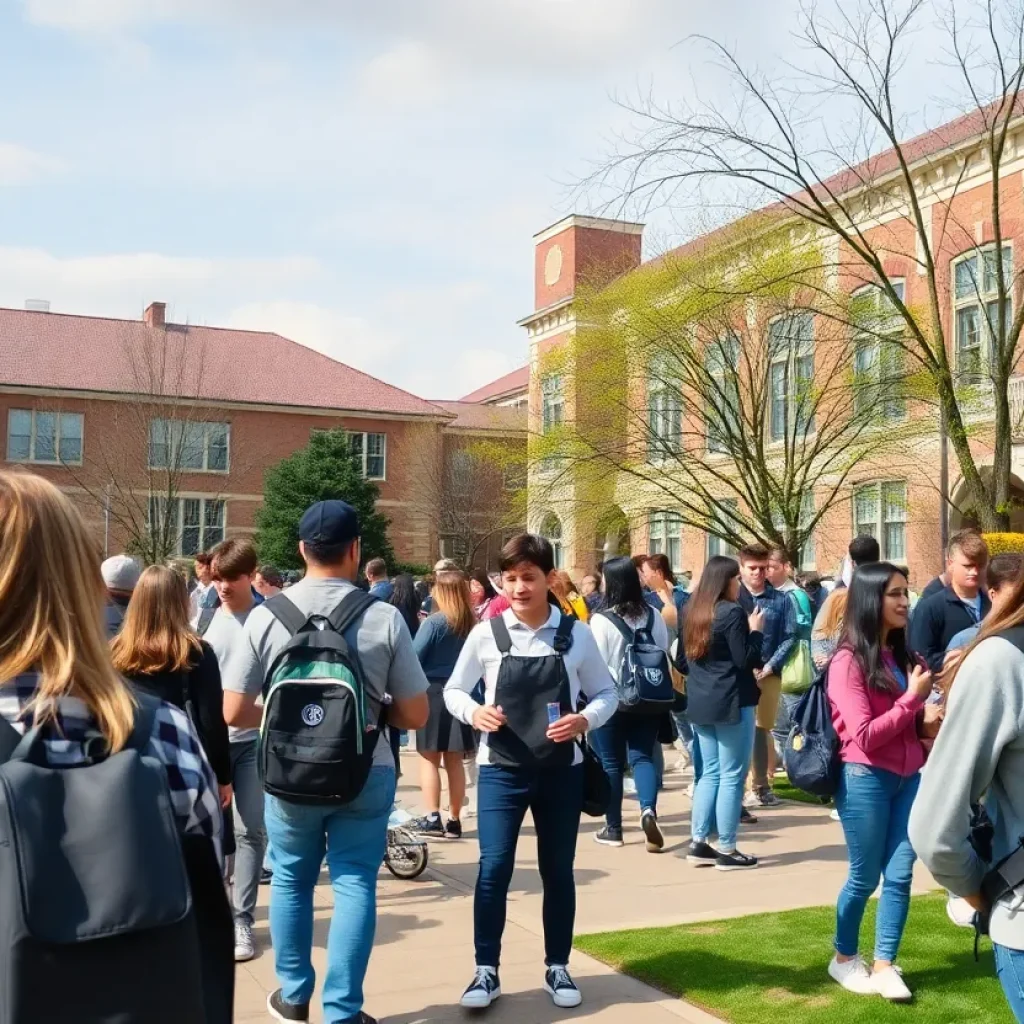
(855, 977)
(959, 911)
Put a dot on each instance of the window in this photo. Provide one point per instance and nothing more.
(880, 510)
(976, 308)
(552, 413)
(184, 445)
(551, 530)
(460, 474)
(717, 545)
(36, 436)
(791, 374)
(664, 414)
(805, 558)
(666, 537)
(877, 356)
(721, 413)
(370, 453)
(193, 524)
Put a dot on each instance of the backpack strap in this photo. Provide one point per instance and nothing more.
(9, 740)
(563, 635)
(145, 718)
(350, 609)
(286, 613)
(620, 623)
(205, 619)
(1013, 635)
(499, 631)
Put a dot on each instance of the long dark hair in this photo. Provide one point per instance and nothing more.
(622, 590)
(700, 609)
(862, 625)
(484, 580)
(404, 598)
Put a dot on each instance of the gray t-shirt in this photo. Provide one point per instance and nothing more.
(226, 635)
(382, 639)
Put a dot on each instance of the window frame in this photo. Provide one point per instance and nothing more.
(714, 545)
(660, 538)
(183, 425)
(807, 512)
(203, 525)
(716, 362)
(980, 299)
(557, 542)
(552, 415)
(881, 519)
(58, 434)
(789, 360)
(664, 409)
(364, 452)
(878, 342)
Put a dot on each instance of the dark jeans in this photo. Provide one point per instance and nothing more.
(555, 798)
(633, 738)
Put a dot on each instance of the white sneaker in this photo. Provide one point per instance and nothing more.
(959, 911)
(690, 789)
(853, 975)
(889, 984)
(834, 815)
(628, 787)
(245, 949)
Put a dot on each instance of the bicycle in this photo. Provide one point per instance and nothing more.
(406, 854)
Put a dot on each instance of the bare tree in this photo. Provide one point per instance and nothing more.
(804, 150)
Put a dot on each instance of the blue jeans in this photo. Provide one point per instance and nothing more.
(632, 737)
(784, 720)
(874, 806)
(555, 798)
(250, 830)
(1010, 971)
(718, 796)
(353, 837)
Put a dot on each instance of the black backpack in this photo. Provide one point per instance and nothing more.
(96, 917)
(644, 681)
(811, 753)
(317, 739)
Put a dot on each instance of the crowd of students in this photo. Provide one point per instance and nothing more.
(114, 669)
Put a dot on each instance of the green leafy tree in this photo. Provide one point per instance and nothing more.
(323, 470)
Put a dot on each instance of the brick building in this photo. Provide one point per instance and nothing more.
(900, 504)
(149, 421)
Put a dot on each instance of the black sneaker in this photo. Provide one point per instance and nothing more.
(266, 876)
(746, 818)
(559, 985)
(735, 861)
(483, 990)
(281, 1010)
(704, 855)
(429, 826)
(652, 831)
(609, 836)
(453, 830)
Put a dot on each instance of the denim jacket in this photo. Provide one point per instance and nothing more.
(779, 632)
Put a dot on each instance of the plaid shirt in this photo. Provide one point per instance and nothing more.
(779, 632)
(193, 787)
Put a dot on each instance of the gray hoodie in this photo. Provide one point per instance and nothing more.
(980, 749)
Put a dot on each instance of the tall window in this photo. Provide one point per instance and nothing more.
(718, 545)
(664, 413)
(183, 445)
(722, 408)
(791, 370)
(36, 436)
(551, 530)
(370, 452)
(194, 524)
(880, 509)
(665, 532)
(552, 413)
(976, 307)
(877, 356)
(805, 557)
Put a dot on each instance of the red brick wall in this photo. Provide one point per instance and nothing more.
(588, 254)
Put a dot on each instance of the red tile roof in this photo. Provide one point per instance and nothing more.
(510, 384)
(476, 416)
(83, 353)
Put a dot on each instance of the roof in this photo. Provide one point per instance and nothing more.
(512, 383)
(476, 416)
(83, 353)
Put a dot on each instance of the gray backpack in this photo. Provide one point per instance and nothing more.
(96, 919)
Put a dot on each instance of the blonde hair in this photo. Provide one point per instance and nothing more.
(452, 597)
(834, 610)
(51, 607)
(156, 635)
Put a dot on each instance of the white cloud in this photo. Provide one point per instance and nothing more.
(408, 75)
(20, 165)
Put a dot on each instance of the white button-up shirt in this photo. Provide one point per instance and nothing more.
(481, 659)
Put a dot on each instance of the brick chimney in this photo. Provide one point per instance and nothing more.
(155, 315)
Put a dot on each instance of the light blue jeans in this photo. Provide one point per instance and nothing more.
(718, 796)
(353, 837)
(874, 806)
(1010, 969)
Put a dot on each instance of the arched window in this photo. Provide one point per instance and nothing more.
(551, 531)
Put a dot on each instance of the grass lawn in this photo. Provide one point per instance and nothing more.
(772, 967)
(785, 791)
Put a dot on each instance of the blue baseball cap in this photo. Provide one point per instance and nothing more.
(329, 522)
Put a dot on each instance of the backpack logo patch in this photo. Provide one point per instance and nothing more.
(653, 676)
(312, 714)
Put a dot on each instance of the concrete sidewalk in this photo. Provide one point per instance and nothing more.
(423, 955)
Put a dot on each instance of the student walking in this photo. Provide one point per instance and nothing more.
(979, 755)
(629, 735)
(351, 829)
(444, 739)
(722, 645)
(535, 662)
(876, 689)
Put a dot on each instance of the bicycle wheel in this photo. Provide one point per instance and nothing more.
(406, 855)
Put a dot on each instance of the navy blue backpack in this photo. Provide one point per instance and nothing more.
(811, 754)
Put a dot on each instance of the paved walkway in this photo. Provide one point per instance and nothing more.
(423, 955)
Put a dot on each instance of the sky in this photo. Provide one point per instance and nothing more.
(364, 178)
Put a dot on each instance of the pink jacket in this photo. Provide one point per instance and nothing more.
(874, 727)
(495, 607)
